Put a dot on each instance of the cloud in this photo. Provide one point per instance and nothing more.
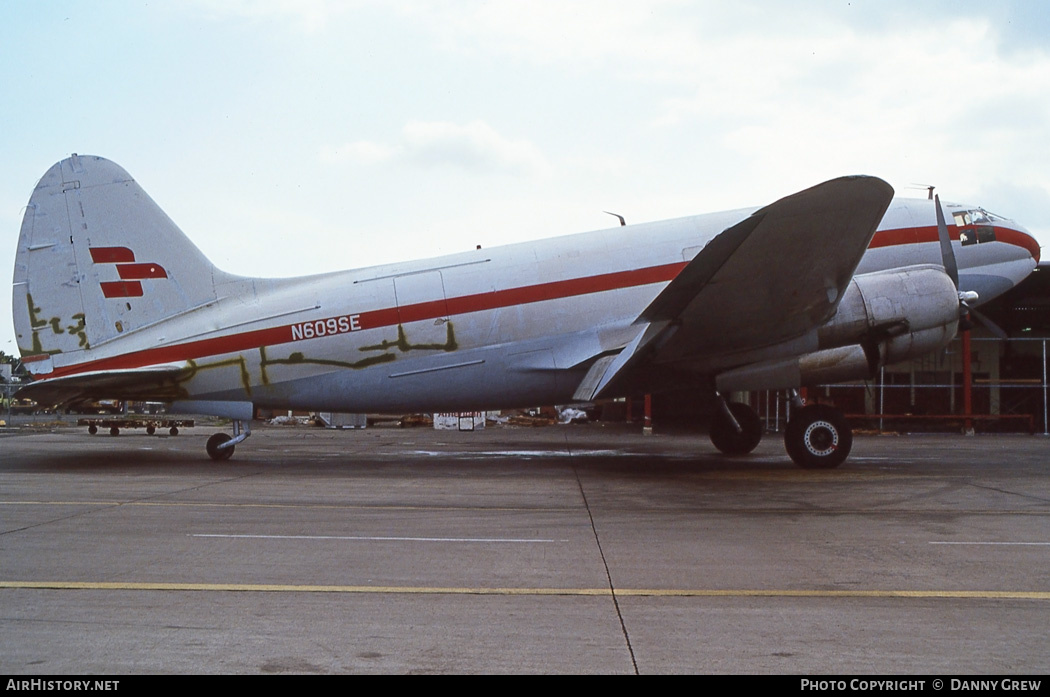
(474, 147)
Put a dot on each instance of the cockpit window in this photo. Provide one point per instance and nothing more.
(976, 216)
(975, 226)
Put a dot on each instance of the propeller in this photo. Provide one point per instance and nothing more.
(951, 267)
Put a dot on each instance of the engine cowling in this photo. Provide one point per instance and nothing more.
(883, 318)
(885, 305)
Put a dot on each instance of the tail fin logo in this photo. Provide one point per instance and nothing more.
(130, 271)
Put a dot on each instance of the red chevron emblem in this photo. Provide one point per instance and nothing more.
(130, 272)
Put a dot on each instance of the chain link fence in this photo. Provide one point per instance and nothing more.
(1009, 392)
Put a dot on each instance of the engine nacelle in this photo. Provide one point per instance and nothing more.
(883, 305)
(883, 318)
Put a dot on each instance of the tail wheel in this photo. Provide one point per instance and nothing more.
(818, 437)
(217, 453)
(725, 437)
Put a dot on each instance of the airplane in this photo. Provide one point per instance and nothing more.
(112, 301)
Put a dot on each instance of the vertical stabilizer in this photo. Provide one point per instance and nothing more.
(97, 261)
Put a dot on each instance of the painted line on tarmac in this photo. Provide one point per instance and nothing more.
(293, 506)
(375, 538)
(1005, 544)
(437, 590)
(467, 454)
(544, 509)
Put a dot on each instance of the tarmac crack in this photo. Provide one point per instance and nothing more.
(96, 507)
(59, 519)
(605, 563)
(1041, 499)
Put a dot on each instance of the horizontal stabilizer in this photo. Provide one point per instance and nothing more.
(152, 383)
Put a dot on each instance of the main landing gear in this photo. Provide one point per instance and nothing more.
(735, 428)
(220, 446)
(817, 436)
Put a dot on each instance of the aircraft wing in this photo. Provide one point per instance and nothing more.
(150, 383)
(768, 279)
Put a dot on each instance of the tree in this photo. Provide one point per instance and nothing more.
(17, 368)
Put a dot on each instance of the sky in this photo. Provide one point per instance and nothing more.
(289, 137)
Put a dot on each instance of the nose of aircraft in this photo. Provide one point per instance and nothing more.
(1015, 234)
(992, 269)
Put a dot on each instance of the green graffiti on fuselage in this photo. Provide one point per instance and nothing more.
(34, 321)
(79, 329)
(194, 368)
(402, 344)
(37, 323)
(298, 358)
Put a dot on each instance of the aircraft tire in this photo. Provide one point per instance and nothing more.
(818, 437)
(216, 453)
(724, 436)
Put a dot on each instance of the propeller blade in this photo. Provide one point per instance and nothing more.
(988, 323)
(947, 254)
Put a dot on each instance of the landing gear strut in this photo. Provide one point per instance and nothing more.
(735, 428)
(818, 437)
(220, 446)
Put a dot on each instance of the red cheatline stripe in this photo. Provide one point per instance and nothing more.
(530, 294)
(137, 271)
(121, 289)
(111, 255)
(563, 289)
(911, 235)
(411, 313)
(918, 235)
(386, 317)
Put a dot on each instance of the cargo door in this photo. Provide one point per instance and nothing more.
(423, 313)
